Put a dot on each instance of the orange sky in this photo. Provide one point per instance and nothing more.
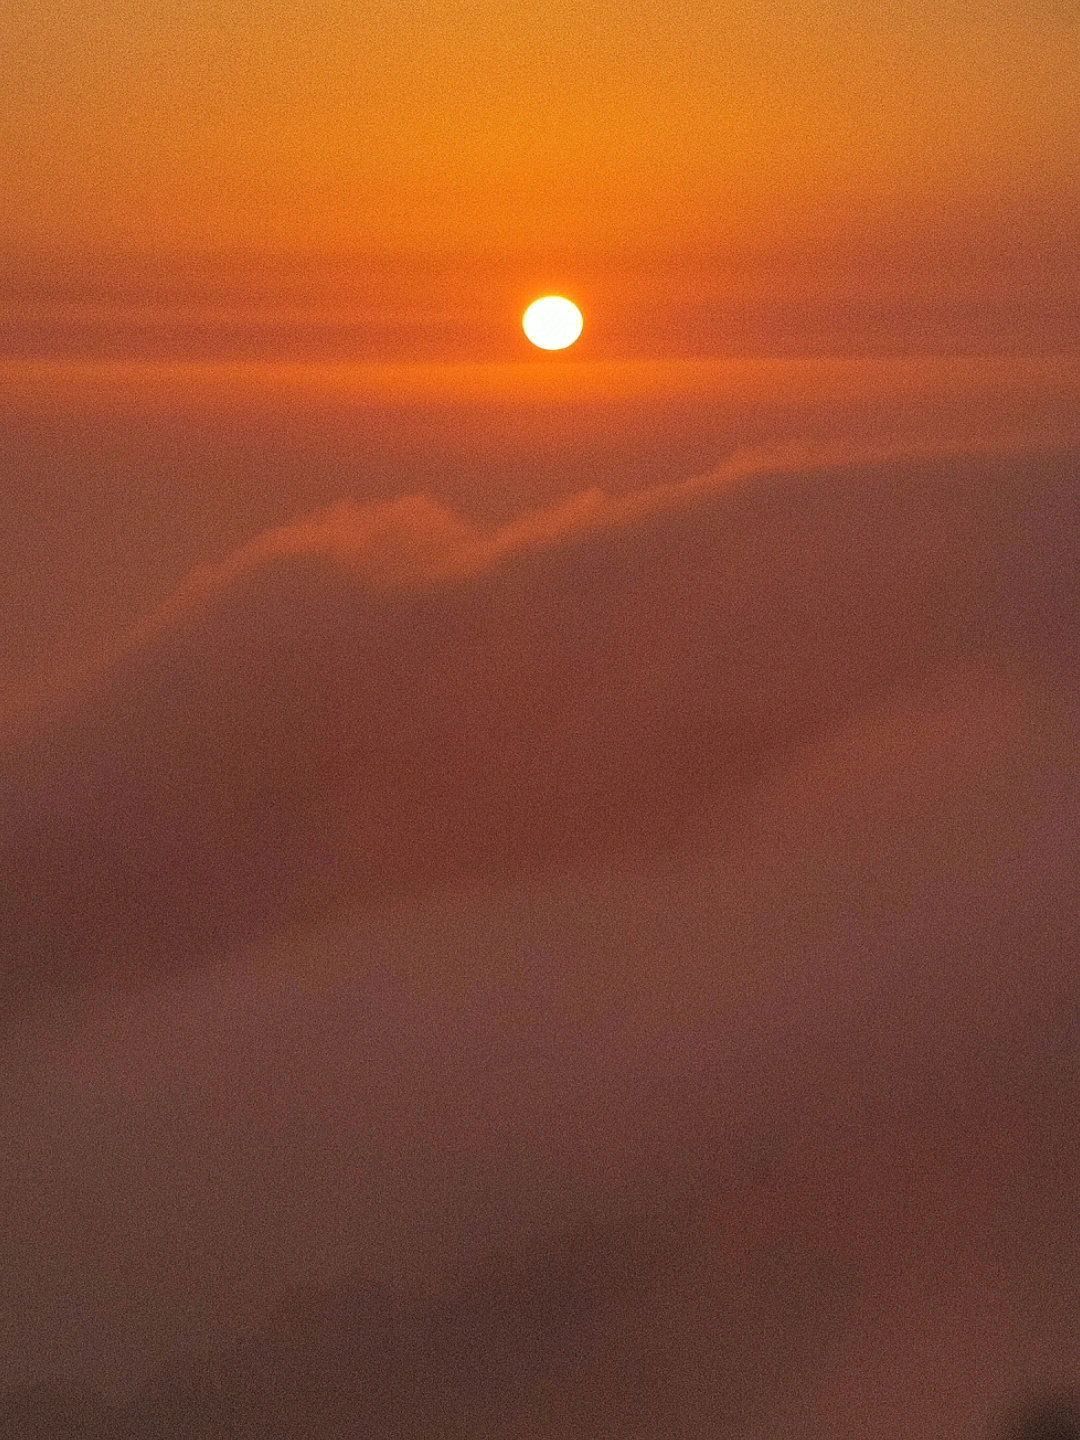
(342, 126)
(276, 254)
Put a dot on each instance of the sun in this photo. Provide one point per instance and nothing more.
(552, 322)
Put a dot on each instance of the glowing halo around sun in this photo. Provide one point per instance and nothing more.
(552, 322)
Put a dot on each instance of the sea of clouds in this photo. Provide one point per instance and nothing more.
(608, 973)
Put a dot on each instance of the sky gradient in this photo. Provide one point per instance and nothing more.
(751, 128)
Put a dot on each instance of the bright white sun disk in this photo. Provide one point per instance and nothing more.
(552, 322)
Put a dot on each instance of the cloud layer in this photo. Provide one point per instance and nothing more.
(692, 1144)
(613, 972)
(387, 699)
